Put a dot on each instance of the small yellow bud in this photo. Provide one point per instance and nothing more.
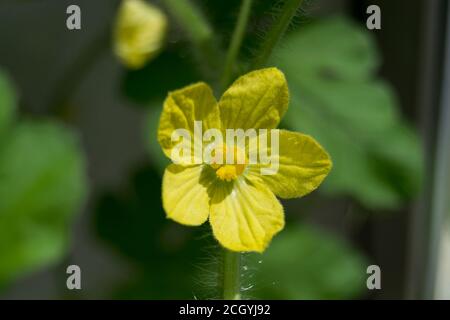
(139, 32)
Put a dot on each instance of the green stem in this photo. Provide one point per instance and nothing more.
(236, 41)
(277, 31)
(199, 32)
(190, 19)
(231, 275)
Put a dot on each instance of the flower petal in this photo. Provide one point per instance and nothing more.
(184, 194)
(244, 215)
(181, 108)
(303, 165)
(258, 99)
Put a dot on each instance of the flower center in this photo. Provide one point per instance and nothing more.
(229, 171)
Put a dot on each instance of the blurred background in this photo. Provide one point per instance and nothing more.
(80, 167)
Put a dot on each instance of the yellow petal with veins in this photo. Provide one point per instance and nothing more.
(181, 108)
(256, 100)
(302, 165)
(184, 194)
(244, 215)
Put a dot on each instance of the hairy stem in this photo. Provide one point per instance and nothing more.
(236, 42)
(231, 275)
(276, 32)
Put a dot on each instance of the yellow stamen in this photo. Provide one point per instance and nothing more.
(225, 171)
(230, 172)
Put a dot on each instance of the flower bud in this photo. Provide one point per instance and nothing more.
(139, 32)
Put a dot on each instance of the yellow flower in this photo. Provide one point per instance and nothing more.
(139, 32)
(240, 202)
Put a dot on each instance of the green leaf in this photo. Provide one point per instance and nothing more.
(305, 263)
(336, 98)
(7, 103)
(42, 184)
(335, 47)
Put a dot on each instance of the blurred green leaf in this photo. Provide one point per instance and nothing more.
(305, 263)
(331, 48)
(337, 99)
(42, 184)
(7, 103)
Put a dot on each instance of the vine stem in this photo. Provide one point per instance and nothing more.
(236, 42)
(231, 275)
(199, 32)
(276, 32)
(232, 260)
